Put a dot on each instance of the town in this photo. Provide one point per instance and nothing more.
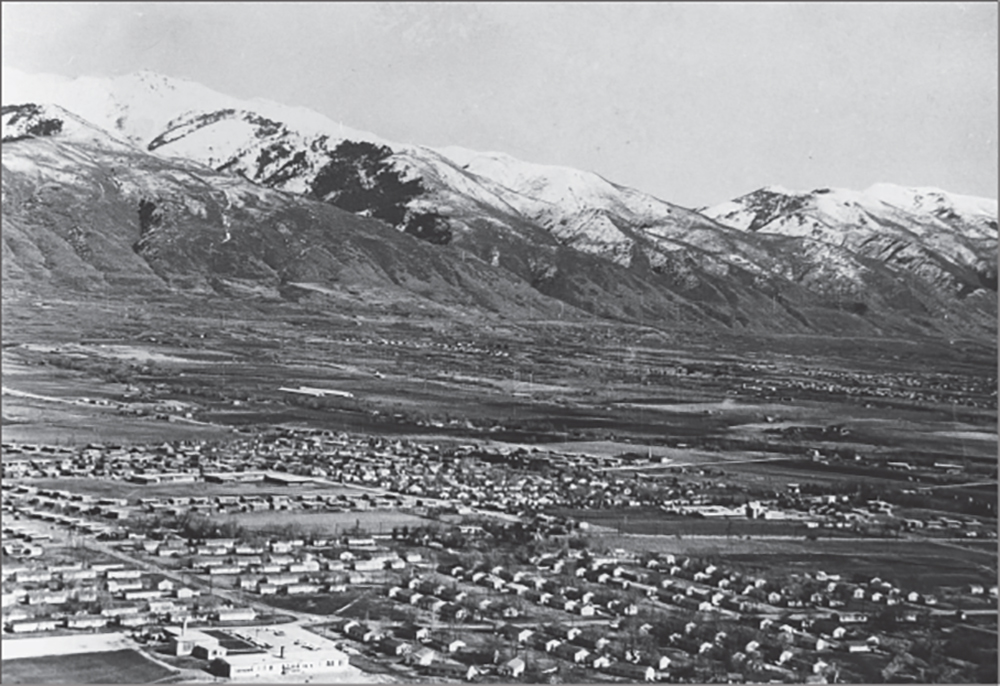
(406, 560)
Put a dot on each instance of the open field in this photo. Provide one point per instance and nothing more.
(651, 521)
(355, 603)
(378, 521)
(112, 667)
(38, 647)
(562, 381)
(125, 489)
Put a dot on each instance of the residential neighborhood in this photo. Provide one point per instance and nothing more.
(461, 568)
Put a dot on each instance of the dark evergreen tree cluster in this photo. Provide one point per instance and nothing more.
(359, 178)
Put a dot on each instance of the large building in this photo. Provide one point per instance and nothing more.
(287, 660)
(184, 641)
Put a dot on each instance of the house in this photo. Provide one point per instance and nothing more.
(660, 662)
(400, 594)
(452, 595)
(591, 642)
(567, 633)
(300, 589)
(413, 632)
(853, 617)
(361, 632)
(623, 608)
(451, 611)
(371, 565)
(184, 641)
(86, 622)
(32, 625)
(282, 579)
(125, 585)
(448, 645)
(517, 633)
(421, 657)
(236, 614)
(600, 661)
(124, 573)
(47, 597)
(513, 667)
(79, 575)
(33, 576)
(453, 670)
(163, 607)
(395, 646)
(120, 611)
(571, 652)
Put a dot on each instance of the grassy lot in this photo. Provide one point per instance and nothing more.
(114, 667)
(376, 521)
(366, 605)
(653, 521)
(78, 553)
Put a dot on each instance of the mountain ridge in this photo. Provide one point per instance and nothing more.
(906, 259)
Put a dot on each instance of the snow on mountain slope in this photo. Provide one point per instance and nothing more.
(572, 189)
(580, 208)
(143, 104)
(566, 190)
(81, 215)
(30, 120)
(284, 147)
(920, 210)
(979, 214)
(946, 238)
(564, 231)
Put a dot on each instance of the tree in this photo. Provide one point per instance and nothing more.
(359, 178)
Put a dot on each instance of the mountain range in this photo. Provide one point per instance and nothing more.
(148, 182)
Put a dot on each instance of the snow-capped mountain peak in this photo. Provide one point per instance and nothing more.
(542, 222)
(932, 200)
(143, 104)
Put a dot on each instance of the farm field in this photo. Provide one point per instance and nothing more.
(112, 667)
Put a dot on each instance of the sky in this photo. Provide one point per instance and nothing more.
(694, 103)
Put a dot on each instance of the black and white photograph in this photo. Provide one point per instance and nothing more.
(499, 343)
